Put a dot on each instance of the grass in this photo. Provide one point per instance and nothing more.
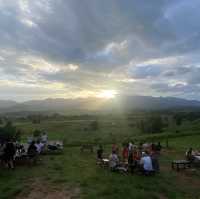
(76, 169)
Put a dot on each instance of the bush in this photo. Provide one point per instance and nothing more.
(151, 125)
(9, 132)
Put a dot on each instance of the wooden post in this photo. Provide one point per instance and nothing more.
(167, 141)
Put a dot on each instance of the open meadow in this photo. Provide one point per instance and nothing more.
(75, 174)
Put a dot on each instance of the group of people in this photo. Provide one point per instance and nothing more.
(191, 155)
(11, 149)
(142, 157)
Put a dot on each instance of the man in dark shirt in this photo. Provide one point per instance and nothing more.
(9, 152)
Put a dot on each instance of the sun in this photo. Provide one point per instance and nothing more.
(107, 94)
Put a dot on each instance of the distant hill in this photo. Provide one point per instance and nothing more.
(7, 103)
(83, 105)
(157, 103)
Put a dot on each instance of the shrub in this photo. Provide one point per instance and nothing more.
(9, 131)
(151, 125)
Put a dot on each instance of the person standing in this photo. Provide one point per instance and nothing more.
(9, 153)
(125, 153)
(146, 163)
(155, 160)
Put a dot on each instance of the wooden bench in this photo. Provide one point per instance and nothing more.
(180, 164)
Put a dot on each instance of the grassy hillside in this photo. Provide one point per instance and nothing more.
(110, 129)
(76, 174)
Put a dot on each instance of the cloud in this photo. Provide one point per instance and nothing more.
(131, 46)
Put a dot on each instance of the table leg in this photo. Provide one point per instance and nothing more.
(177, 167)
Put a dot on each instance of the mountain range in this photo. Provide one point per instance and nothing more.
(84, 105)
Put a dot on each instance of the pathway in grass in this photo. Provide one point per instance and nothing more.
(41, 189)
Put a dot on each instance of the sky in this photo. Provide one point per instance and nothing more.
(91, 48)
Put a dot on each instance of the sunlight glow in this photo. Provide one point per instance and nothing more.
(107, 94)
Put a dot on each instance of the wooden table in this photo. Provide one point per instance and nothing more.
(105, 162)
(180, 164)
(197, 157)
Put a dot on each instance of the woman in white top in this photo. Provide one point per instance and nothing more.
(113, 161)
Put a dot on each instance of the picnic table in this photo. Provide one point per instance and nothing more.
(105, 162)
(180, 164)
(197, 157)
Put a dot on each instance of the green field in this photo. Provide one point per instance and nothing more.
(76, 174)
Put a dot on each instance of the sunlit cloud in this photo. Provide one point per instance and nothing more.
(28, 23)
(113, 47)
(42, 65)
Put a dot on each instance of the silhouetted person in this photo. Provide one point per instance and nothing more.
(100, 152)
(155, 160)
(190, 154)
(9, 152)
(32, 150)
(159, 147)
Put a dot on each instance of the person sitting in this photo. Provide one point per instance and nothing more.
(9, 153)
(39, 146)
(100, 153)
(146, 164)
(190, 154)
(32, 151)
(113, 161)
(44, 138)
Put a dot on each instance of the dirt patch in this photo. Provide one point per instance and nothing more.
(44, 190)
(160, 196)
(186, 179)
